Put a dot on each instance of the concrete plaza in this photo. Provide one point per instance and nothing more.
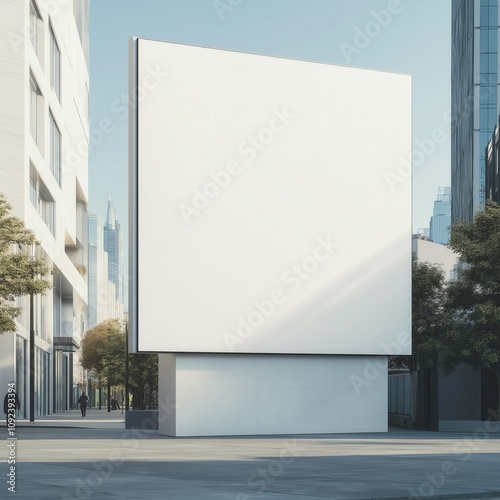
(65, 456)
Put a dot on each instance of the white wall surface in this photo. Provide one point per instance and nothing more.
(250, 394)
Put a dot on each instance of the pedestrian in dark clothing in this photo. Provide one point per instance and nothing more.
(84, 401)
(10, 397)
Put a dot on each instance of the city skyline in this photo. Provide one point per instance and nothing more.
(102, 297)
(440, 221)
(113, 245)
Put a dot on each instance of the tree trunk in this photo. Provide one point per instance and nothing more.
(498, 390)
(109, 393)
(100, 394)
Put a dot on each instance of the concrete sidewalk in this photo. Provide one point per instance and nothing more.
(111, 463)
(95, 419)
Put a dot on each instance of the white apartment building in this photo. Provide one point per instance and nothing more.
(44, 138)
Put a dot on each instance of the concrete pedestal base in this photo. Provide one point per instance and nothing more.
(210, 395)
(141, 419)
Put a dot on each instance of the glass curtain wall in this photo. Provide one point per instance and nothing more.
(488, 67)
(61, 374)
(41, 382)
(21, 375)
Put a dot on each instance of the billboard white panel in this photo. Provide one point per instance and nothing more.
(271, 204)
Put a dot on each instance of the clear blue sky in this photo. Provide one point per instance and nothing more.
(414, 39)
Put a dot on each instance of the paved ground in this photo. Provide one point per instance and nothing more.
(95, 458)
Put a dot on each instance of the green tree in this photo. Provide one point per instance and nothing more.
(103, 352)
(20, 274)
(143, 378)
(428, 285)
(427, 302)
(471, 332)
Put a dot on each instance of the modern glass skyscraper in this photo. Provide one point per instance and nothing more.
(474, 95)
(492, 167)
(441, 217)
(103, 303)
(113, 244)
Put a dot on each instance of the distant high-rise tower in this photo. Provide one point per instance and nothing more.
(474, 96)
(113, 245)
(103, 303)
(441, 217)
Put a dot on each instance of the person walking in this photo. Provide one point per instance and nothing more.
(84, 401)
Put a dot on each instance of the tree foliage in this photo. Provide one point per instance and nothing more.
(471, 324)
(143, 378)
(20, 274)
(427, 301)
(427, 298)
(103, 351)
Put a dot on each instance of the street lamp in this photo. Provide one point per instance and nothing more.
(32, 361)
(89, 387)
(127, 406)
(32, 350)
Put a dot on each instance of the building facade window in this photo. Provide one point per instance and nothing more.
(21, 369)
(33, 190)
(35, 104)
(42, 200)
(55, 150)
(61, 373)
(42, 332)
(42, 390)
(55, 64)
(56, 310)
(46, 211)
(488, 68)
(35, 20)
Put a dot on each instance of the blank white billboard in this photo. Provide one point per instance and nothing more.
(271, 204)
